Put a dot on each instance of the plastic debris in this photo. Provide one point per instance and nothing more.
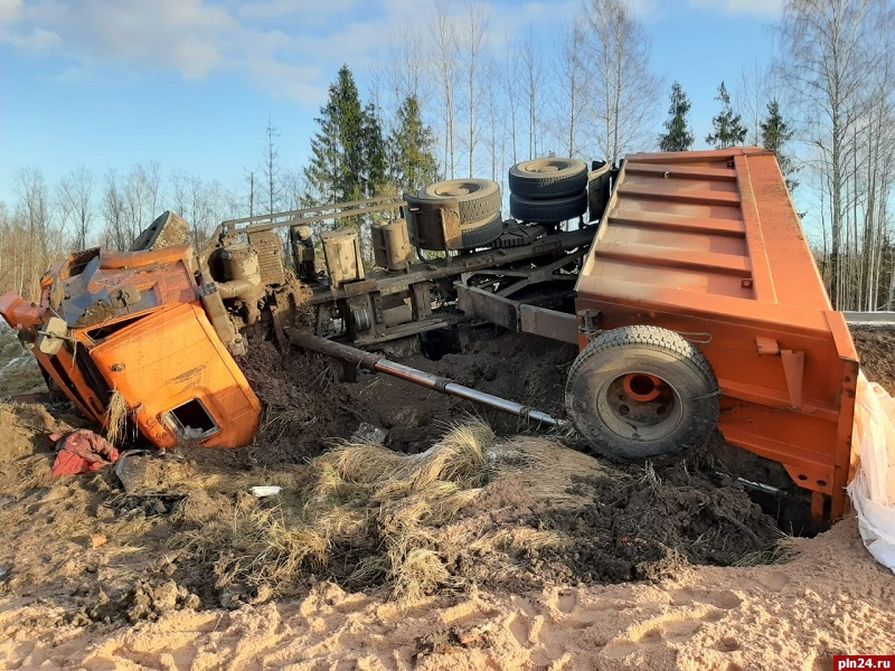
(260, 491)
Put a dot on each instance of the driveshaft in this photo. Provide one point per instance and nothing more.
(380, 364)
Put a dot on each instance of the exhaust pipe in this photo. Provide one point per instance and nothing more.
(380, 364)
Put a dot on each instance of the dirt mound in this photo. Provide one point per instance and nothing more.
(302, 404)
(307, 405)
(473, 509)
(520, 367)
(26, 453)
(646, 525)
(876, 348)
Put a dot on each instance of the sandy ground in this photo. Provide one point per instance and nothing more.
(89, 579)
(832, 598)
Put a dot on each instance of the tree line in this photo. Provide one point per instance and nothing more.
(455, 98)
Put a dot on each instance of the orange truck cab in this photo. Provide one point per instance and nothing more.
(133, 325)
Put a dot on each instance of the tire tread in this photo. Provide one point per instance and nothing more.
(660, 340)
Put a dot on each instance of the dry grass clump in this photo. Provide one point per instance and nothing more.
(116, 418)
(366, 515)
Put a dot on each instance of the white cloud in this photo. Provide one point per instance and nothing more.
(36, 38)
(644, 9)
(287, 47)
(761, 8)
(275, 9)
(9, 9)
(192, 37)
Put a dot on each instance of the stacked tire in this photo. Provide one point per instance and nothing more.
(478, 201)
(548, 190)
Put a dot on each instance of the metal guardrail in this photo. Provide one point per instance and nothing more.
(880, 319)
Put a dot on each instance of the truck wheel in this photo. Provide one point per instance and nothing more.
(477, 199)
(642, 391)
(548, 211)
(548, 177)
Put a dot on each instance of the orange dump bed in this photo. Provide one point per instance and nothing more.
(709, 244)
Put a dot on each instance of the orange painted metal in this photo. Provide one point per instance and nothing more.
(21, 311)
(709, 244)
(170, 358)
(136, 326)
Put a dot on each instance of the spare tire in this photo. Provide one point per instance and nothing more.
(642, 392)
(479, 234)
(548, 211)
(477, 199)
(548, 177)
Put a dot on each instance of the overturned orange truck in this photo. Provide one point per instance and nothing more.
(684, 278)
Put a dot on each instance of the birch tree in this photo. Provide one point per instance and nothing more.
(75, 194)
(625, 90)
(473, 45)
(573, 76)
(115, 235)
(445, 43)
(34, 213)
(531, 68)
(833, 49)
(511, 77)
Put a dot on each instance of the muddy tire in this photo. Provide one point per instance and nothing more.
(477, 199)
(548, 211)
(548, 178)
(642, 392)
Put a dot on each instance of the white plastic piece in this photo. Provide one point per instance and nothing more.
(260, 491)
(872, 490)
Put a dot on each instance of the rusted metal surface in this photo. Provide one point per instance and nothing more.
(708, 244)
(434, 223)
(548, 323)
(311, 215)
(515, 316)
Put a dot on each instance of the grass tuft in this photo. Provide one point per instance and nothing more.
(365, 514)
(116, 418)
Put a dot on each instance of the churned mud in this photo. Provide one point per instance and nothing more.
(415, 531)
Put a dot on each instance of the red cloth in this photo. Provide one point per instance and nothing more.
(82, 451)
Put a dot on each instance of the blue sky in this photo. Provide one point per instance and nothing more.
(190, 83)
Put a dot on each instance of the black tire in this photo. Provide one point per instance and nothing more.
(548, 178)
(548, 211)
(479, 234)
(642, 392)
(477, 199)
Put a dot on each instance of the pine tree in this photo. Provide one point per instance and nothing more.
(337, 150)
(728, 125)
(348, 160)
(775, 133)
(411, 146)
(374, 164)
(677, 135)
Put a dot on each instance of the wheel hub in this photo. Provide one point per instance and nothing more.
(642, 388)
(639, 406)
